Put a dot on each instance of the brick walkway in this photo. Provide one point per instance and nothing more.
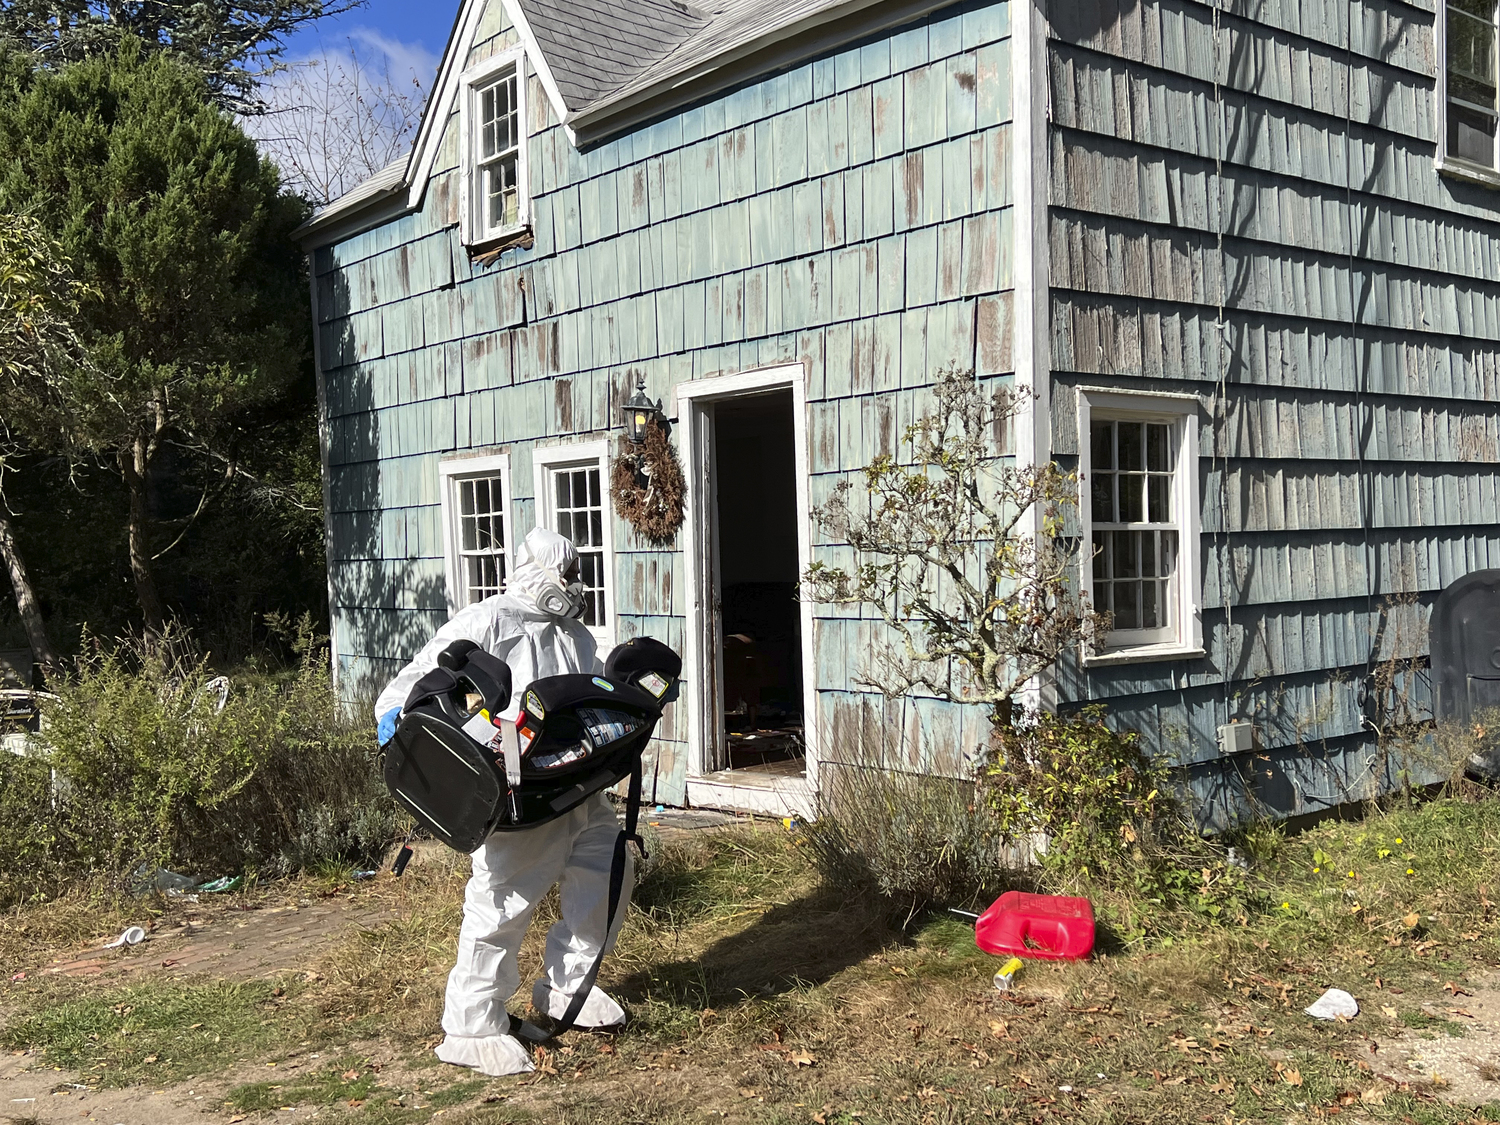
(248, 943)
(226, 942)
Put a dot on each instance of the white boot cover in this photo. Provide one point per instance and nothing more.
(599, 1010)
(495, 1055)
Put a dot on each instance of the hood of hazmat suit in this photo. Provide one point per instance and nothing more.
(533, 627)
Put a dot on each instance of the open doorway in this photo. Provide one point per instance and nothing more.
(754, 558)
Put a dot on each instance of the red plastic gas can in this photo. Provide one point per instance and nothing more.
(1054, 927)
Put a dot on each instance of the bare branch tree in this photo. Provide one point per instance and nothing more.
(334, 120)
(977, 607)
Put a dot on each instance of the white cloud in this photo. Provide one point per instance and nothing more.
(402, 57)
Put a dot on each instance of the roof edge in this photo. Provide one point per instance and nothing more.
(783, 48)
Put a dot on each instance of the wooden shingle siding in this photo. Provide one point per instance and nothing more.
(852, 213)
(1243, 206)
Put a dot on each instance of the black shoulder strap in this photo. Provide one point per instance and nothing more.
(530, 1031)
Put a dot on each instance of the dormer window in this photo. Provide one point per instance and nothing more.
(494, 123)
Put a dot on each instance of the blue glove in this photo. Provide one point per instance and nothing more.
(386, 729)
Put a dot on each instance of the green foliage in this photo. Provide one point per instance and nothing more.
(137, 763)
(195, 311)
(175, 223)
(1088, 789)
(156, 1031)
(228, 45)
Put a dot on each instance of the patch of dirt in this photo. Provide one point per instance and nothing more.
(1464, 1068)
(30, 1090)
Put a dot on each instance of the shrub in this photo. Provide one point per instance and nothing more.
(1085, 795)
(139, 763)
(912, 839)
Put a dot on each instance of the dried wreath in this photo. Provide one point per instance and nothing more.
(646, 485)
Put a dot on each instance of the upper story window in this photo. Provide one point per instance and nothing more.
(494, 128)
(476, 527)
(1471, 100)
(1138, 464)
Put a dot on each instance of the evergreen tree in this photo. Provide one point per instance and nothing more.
(229, 44)
(195, 310)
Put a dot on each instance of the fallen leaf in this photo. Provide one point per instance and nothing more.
(999, 1029)
(237, 1117)
(1389, 1012)
(350, 1075)
(1411, 921)
(802, 1058)
(149, 1059)
(1461, 1012)
(899, 971)
(1375, 1095)
(747, 1092)
(1348, 1097)
(1456, 989)
(1292, 1076)
(355, 1103)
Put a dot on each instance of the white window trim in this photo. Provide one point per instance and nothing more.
(543, 460)
(1182, 412)
(450, 473)
(470, 199)
(1447, 164)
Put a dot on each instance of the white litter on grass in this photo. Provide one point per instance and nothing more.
(133, 935)
(1335, 1004)
(1065, 1089)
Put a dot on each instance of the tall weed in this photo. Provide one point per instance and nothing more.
(148, 758)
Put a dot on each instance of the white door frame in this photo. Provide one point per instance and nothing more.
(695, 400)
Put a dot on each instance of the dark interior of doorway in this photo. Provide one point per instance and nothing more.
(757, 576)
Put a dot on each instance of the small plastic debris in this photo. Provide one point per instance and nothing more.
(1007, 974)
(1237, 859)
(790, 823)
(132, 935)
(1065, 1089)
(221, 884)
(661, 808)
(145, 879)
(360, 876)
(1334, 1004)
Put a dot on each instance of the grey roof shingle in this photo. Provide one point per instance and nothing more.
(601, 51)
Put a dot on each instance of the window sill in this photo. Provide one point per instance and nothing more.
(486, 251)
(1461, 169)
(1143, 654)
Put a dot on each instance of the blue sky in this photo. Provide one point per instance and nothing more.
(411, 34)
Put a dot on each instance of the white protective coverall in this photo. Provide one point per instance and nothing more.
(512, 871)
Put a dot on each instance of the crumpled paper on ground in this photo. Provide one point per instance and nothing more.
(1332, 1005)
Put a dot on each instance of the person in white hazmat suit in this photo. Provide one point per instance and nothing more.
(533, 626)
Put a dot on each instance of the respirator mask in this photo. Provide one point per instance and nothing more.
(560, 598)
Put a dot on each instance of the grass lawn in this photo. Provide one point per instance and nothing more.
(756, 994)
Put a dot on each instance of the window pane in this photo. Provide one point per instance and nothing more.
(596, 525)
(466, 497)
(1124, 560)
(1127, 616)
(1148, 606)
(1157, 448)
(1102, 440)
(467, 534)
(1101, 554)
(1471, 134)
(1168, 554)
(1148, 552)
(593, 479)
(1132, 451)
(1158, 493)
(1132, 508)
(1102, 491)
